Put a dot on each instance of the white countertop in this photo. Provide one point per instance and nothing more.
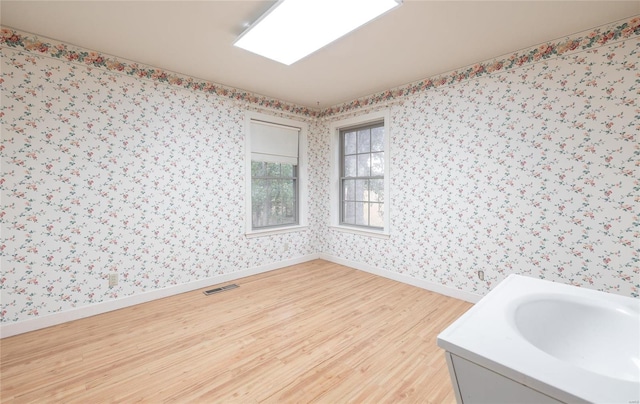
(488, 336)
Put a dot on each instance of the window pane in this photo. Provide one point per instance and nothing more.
(286, 213)
(362, 213)
(362, 190)
(273, 169)
(349, 190)
(274, 203)
(259, 193)
(258, 168)
(350, 143)
(363, 165)
(376, 214)
(377, 164)
(287, 170)
(350, 166)
(377, 139)
(376, 190)
(349, 213)
(364, 141)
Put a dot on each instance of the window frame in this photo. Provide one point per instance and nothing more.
(302, 177)
(357, 176)
(336, 128)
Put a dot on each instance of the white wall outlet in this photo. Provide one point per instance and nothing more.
(113, 279)
(285, 247)
(481, 275)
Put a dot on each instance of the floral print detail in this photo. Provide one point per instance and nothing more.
(13, 39)
(104, 172)
(532, 171)
(597, 37)
(111, 166)
(590, 40)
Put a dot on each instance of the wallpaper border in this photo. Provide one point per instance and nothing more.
(620, 30)
(596, 37)
(32, 43)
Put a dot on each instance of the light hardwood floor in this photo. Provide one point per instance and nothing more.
(315, 332)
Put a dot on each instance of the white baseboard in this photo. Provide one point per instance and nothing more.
(11, 329)
(421, 283)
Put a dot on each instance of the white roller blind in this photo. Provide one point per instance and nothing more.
(274, 143)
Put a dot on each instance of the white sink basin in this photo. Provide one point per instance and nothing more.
(569, 343)
(597, 336)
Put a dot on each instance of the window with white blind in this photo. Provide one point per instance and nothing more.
(275, 183)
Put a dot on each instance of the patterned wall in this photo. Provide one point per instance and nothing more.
(111, 166)
(106, 172)
(532, 171)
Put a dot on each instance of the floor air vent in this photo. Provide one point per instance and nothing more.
(222, 289)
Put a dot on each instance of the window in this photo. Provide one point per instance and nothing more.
(274, 194)
(362, 176)
(360, 172)
(275, 174)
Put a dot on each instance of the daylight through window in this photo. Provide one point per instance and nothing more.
(274, 189)
(274, 175)
(362, 176)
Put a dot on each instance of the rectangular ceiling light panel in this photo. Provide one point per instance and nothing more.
(293, 29)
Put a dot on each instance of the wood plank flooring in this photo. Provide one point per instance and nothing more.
(314, 332)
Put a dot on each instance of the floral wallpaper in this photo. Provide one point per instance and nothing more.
(58, 50)
(595, 38)
(109, 173)
(533, 171)
(527, 164)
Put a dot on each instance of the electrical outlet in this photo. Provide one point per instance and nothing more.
(285, 247)
(113, 279)
(481, 275)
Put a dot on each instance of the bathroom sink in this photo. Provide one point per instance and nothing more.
(532, 340)
(582, 332)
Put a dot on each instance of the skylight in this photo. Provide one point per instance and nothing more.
(293, 29)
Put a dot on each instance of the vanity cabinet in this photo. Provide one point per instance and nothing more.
(473, 383)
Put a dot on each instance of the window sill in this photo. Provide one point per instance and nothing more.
(278, 230)
(370, 233)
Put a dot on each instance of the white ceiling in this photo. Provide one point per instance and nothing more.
(420, 39)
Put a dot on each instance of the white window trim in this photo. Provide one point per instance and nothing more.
(334, 192)
(302, 175)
